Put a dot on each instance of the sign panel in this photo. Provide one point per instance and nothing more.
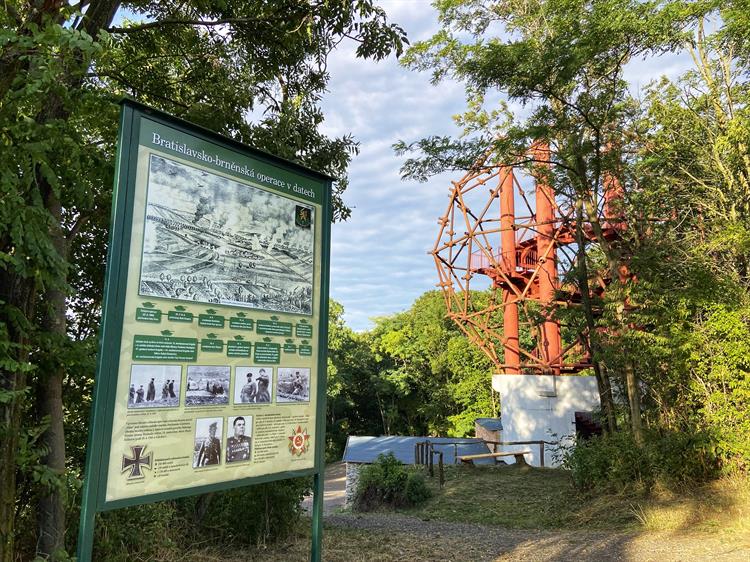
(211, 373)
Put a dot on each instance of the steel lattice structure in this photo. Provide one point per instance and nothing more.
(483, 238)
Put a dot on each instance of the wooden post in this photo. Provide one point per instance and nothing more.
(440, 469)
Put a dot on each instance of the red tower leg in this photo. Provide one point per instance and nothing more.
(508, 247)
(545, 218)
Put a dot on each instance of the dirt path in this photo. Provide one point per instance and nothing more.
(468, 542)
(335, 489)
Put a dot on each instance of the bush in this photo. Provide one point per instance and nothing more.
(416, 491)
(250, 516)
(387, 482)
(617, 461)
(136, 533)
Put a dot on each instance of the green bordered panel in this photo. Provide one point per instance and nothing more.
(218, 254)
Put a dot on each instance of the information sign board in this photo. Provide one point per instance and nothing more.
(212, 365)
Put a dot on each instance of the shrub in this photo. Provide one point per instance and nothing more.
(248, 516)
(387, 482)
(136, 533)
(617, 461)
(416, 491)
(252, 515)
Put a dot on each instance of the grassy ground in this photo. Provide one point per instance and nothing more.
(533, 498)
(339, 545)
(507, 513)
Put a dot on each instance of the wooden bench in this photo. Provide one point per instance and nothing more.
(519, 456)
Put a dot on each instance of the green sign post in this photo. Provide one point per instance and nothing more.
(211, 369)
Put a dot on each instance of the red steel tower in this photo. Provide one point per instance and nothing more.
(492, 237)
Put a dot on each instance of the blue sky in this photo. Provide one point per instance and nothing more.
(380, 260)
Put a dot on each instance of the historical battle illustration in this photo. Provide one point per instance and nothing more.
(214, 240)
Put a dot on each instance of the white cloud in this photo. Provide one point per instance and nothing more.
(379, 258)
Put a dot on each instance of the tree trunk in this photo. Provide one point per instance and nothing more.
(634, 401)
(602, 378)
(51, 505)
(17, 298)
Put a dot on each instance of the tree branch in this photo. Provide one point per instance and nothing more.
(185, 22)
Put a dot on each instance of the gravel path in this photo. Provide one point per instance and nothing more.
(469, 542)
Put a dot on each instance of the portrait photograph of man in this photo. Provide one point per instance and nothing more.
(239, 438)
(207, 449)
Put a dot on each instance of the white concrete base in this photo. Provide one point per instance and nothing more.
(542, 408)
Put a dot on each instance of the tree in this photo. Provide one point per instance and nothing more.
(61, 69)
(352, 368)
(430, 379)
(693, 167)
(563, 63)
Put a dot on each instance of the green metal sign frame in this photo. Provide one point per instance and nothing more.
(132, 118)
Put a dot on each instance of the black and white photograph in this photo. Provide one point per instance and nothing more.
(239, 438)
(207, 385)
(293, 385)
(154, 386)
(207, 446)
(213, 240)
(253, 385)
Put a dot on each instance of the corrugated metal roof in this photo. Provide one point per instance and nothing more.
(365, 449)
(490, 424)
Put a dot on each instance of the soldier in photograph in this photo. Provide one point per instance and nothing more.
(238, 446)
(139, 394)
(262, 395)
(297, 386)
(151, 394)
(248, 392)
(210, 450)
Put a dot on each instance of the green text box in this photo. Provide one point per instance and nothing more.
(238, 323)
(212, 346)
(210, 321)
(269, 353)
(164, 348)
(238, 348)
(148, 315)
(303, 331)
(290, 348)
(179, 316)
(274, 328)
(305, 350)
